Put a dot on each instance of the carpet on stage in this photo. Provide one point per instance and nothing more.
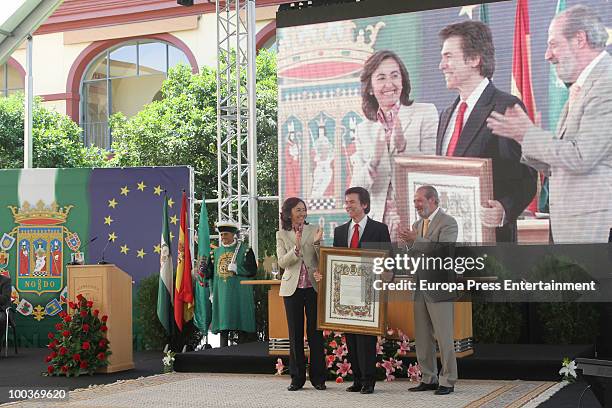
(487, 378)
(245, 391)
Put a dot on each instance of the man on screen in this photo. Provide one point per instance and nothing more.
(578, 156)
(359, 230)
(468, 63)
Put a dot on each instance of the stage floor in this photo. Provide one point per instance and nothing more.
(513, 372)
(25, 369)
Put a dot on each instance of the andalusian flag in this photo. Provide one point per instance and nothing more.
(521, 66)
(557, 96)
(183, 289)
(484, 13)
(165, 291)
(203, 306)
(557, 91)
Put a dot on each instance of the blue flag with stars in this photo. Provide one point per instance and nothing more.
(124, 213)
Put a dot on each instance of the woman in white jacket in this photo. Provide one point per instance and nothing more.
(297, 250)
(395, 126)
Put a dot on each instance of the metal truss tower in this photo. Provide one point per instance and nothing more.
(236, 122)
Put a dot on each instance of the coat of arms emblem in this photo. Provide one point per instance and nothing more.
(40, 248)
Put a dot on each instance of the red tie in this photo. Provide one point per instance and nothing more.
(355, 238)
(457, 131)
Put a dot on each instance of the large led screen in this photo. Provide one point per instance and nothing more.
(358, 95)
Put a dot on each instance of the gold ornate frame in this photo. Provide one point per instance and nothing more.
(356, 262)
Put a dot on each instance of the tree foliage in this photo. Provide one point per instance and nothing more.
(56, 139)
(181, 129)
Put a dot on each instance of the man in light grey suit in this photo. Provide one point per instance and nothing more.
(578, 157)
(433, 235)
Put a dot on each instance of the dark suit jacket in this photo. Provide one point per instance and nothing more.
(514, 184)
(374, 232)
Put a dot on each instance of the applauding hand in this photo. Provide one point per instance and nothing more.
(492, 215)
(318, 235)
(398, 136)
(408, 235)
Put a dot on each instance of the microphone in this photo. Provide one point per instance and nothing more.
(80, 249)
(102, 261)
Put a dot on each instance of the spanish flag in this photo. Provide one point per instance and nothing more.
(183, 289)
(521, 66)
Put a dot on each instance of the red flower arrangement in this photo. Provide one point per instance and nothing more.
(79, 346)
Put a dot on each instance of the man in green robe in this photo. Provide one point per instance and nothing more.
(233, 307)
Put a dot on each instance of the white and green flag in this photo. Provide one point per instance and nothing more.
(203, 306)
(166, 289)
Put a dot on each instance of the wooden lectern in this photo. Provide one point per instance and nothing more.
(110, 289)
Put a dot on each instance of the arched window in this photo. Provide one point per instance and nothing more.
(266, 37)
(123, 79)
(11, 80)
(270, 44)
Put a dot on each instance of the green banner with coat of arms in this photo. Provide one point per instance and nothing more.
(39, 211)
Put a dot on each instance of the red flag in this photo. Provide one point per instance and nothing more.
(183, 292)
(521, 67)
(521, 59)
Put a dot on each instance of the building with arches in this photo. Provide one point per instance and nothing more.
(95, 58)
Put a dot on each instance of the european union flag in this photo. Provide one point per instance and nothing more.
(125, 208)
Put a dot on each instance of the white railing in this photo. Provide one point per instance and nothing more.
(96, 134)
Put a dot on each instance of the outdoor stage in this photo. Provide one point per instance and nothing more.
(512, 374)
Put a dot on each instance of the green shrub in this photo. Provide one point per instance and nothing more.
(56, 139)
(261, 305)
(568, 323)
(153, 333)
(494, 321)
(181, 129)
(565, 320)
(497, 322)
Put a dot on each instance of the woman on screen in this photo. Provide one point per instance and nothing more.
(395, 126)
(297, 250)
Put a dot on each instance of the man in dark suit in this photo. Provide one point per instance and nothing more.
(433, 235)
(360, 231)
(468, 63)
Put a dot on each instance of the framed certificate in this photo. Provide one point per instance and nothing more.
(464, 184)
(347, 299)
